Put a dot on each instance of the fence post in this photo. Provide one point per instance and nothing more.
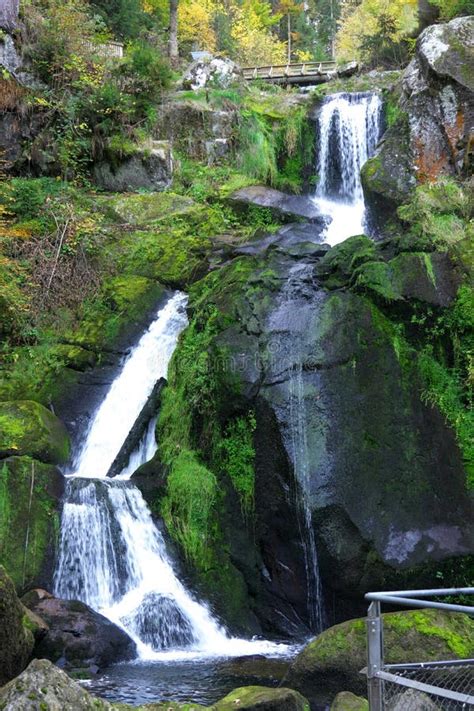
(374, 656)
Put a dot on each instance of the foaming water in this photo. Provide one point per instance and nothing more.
(349, 129)
(112, 556)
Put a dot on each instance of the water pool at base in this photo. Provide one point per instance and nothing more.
(202, 682)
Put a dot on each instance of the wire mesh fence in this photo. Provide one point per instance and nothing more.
(443, 685)
(422, 687)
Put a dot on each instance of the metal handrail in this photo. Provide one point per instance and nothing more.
(404, 598)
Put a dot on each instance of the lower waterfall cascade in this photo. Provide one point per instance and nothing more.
(112, 555)
(349, 128)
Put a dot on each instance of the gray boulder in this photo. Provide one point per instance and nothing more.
(211, 72)
(44, 687)
(284, 206)
(77, 636)
(149, 168)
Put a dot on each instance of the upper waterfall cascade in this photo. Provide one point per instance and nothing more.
(349, 127)
(112, 556)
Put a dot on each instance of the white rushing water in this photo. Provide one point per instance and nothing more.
(349, 130)
(130, 390)
(111, 555)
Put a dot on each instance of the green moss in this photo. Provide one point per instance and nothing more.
(29, 521)
(188, 507)
(26, 427)
(239, 456)
(252, 697)
(337, 266)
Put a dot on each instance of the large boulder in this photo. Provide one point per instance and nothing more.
(16, 637)
(333, 660)
(430, 136)
(149, 167)
(28, 428)
(211, 72)
(260, 698)
(282, 205)
(77, 636)
(44, 687)
(30, 498)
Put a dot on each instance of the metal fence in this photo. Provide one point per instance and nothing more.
(444, 685)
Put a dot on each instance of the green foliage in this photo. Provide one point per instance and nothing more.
(438, 214)
(125, 18)
(239, 456)
(452, 8)
(443, 388)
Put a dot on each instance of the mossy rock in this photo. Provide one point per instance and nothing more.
(16, 637)
(261, 698)
(388, 177)
(333, 660)
(346, 701)
(74, 356)
(30, 494)
(28, 428)
(144, 210)
(337, 266)
(426, 277)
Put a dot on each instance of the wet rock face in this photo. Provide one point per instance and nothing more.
(9, 14)
(380, 470)
(77, 636)
(430, 137)
(16, 637)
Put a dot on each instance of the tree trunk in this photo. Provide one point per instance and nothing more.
(9, 14)
(289, 37)
(173, 40)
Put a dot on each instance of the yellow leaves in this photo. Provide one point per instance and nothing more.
(255, 42)
(362, 26)
(249, 22)
(195, 23)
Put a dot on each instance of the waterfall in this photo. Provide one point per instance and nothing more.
(111, 554)
(299, 446)
(349, 129)
(289, 326)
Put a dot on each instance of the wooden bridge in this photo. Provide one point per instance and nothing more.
(299, 73)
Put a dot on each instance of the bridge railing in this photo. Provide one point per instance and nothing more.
(441, 685)
(295, 69)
